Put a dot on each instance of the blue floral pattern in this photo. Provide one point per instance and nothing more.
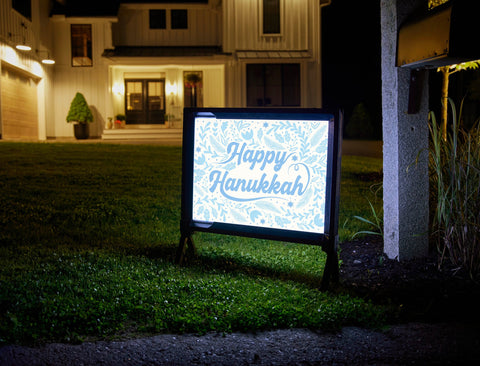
(266, 173)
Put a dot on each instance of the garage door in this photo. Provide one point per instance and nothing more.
(18, 105)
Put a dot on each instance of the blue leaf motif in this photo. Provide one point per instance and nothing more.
(224, 126)
(206, 215)
(318, 136)
(268, 206)
(305, 199)
(237, 216)
(281, 222)
(279, 137)
(260, 134)
(318, 220)
(200, 160)
(218, 147)
(199, 173)
(254, 214)
(273, 144)
(310, 160)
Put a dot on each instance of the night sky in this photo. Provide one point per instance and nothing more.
(351, 57)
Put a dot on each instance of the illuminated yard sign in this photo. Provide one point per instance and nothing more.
(266, 173)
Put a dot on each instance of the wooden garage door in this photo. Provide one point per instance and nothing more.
(19, 105)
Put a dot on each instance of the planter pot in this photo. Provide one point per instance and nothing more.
(81, 131)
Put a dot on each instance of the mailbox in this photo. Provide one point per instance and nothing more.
(443, 36)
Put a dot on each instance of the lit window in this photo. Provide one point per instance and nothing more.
(179, 18)
(81, 44)
(158, 19)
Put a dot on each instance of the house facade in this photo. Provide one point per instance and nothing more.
(147, 60)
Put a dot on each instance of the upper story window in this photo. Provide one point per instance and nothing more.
(179, 18)
(81, 44)
(271, 16)
(24, 7)
(158, 19)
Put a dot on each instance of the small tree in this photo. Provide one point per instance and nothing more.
(79, 110)
(446, 72)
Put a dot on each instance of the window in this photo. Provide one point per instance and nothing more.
(158, 19)
(179, 18)
(273, 85)
(81, 44)
(271, 16)
(24, 7)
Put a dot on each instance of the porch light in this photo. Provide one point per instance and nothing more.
(171, 89)
(118, 89)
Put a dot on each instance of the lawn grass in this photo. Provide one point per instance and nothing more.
(88, 234)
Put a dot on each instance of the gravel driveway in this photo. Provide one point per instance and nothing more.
(413, 343)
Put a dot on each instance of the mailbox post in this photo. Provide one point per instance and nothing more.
(412, 43)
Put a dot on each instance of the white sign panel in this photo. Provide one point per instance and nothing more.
(262, 173)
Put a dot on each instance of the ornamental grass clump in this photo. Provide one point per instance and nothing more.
(455, 190)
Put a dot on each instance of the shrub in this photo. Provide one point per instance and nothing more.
(360, 125)
(79, 110)
(455, 189)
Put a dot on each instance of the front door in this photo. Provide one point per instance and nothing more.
(145, 101)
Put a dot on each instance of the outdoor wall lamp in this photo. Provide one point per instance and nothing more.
(118, 89)
(172, 89)
(21, 45)
(46, 60)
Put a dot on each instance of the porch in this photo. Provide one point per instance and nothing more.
(144, 133)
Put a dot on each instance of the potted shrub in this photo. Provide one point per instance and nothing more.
(81, 115)
(120, 121)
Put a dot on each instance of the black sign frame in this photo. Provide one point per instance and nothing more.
(327, 240)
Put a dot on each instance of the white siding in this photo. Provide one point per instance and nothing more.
(213, 87)
(92, 81)
(242, 26)
(133, 28)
